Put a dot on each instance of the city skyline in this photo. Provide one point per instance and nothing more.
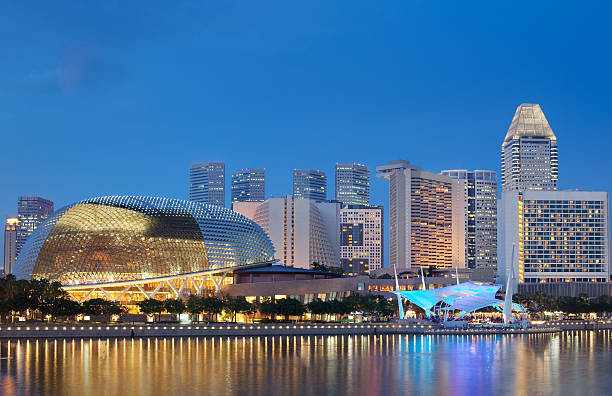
(384, 202)
(81, 80)
(305, 197)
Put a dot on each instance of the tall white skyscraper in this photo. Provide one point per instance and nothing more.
(480, 192)
(529, 152)
(207, 183)
(310, 184)
(353, 184)
(426, 217)
(302, 230)
(249, 185)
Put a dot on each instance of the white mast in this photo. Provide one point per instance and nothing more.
(423, 279)
(508, 299)
(457, 274)
(400, 306)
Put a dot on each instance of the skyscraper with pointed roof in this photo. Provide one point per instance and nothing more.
(529, 152)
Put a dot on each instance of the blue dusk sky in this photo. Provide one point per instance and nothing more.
(116, 97)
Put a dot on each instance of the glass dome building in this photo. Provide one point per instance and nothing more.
(118, 239)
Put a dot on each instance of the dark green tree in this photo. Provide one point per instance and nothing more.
(64, 307)
(316, 308)
(100, 306)
(322, 267)
(212, 306)
(289, 307)
(195, 306)
(237, 305)
(174, 306)
(267, 307)
(151, 306)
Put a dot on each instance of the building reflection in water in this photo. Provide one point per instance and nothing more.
(566, 363)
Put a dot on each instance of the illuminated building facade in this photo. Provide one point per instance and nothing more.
(303, 231)
(10, 244)
(31, 211)
(353, 184)
(207, 183)
(128, 247)
(310, 184)
(426, 217)
(361, 239)
(480, 192)
(559, 236)
(529, 152)
(249, 185)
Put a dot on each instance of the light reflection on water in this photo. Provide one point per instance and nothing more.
(566, 363)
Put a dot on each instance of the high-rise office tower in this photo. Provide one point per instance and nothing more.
(558, 236)
(426, 217)
(480, 192)
(353, 184)
(302, 230)
(10, 244)
(207, 183)
(31, 211)
(310, 184)
(249, 185)
(529, 152)
(361, 238)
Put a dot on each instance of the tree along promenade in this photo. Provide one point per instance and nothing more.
(56, 330)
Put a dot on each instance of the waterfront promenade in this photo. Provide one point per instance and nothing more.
(96, 330)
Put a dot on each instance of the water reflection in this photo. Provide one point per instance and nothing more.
(567, 363)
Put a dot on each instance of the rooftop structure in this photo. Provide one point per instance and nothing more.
(529, 152)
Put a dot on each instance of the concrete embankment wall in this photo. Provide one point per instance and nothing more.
(52, 330)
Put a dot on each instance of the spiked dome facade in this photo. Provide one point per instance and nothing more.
(123, 240)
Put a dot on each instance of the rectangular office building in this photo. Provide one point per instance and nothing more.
(480, 192)
(249, 185)
(207, 183)
(361, 239)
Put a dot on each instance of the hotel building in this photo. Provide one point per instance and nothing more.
(310, 184)
(353, 184)
(302, 231)
(558, 236)
(249, 185)
(480, 192)
(426, 217)
(207, 183)
(361, 239)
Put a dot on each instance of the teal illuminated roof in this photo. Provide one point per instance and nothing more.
(467, 296)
